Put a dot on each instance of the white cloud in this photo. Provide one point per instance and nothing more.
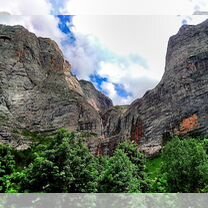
(195, 19)
(26, 7)
(129, 7)
(109, 88)
(200, 5)
(41, 25)
(123, 35)
(135, 79)
(33, 15)
(146, 36)
(105, 44)
(84, 56)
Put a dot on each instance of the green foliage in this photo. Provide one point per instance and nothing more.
(7, 165)
(63, 163)
(7, 162)
(157, 180)
(118, 175)
(66, 161)
(154, 166)
(159, 184)
(205, 145)
(23, 157)
(184, 163)
(11, 183)
(138, 159)
(33, 136)
(124, 171)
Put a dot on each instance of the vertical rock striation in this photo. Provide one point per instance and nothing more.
(38, 91)
(178, 105)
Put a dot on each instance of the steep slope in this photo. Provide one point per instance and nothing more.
(112, 120)
(97, 99)
(38, 92)
(179, 103)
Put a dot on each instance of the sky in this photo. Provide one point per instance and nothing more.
(120, 46)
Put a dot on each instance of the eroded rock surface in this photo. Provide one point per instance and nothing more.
(178, 105)
(38, 92)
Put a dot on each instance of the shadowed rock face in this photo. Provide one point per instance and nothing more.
(38, 92)
(112, 120)
(178, 105)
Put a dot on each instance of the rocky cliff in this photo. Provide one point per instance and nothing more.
(38, 92)
(97, 99)
(178, 105)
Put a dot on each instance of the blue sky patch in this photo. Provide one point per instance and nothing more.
(98, 80)
(64, 22)
(121, 91)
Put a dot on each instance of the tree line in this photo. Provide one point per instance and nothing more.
(64, 164)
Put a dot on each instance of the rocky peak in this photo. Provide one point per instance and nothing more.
(185, 42)
(95, 98)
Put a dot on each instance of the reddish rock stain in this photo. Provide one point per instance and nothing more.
(137, 132)
(189, 124)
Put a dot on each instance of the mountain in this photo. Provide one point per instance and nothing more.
(39, 93)
(97, 99)
(178, 105)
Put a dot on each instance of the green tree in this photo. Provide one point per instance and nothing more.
(119, 175)
(205, 144)
(158, 184)
(7, 166)
(184, 162)
(11, 183)
(139, 160)
(135, 156)
(66, 165)
(7, 162)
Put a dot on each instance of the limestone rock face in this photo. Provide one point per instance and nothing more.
(178, 105)
(38, 92)
(97, 99)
